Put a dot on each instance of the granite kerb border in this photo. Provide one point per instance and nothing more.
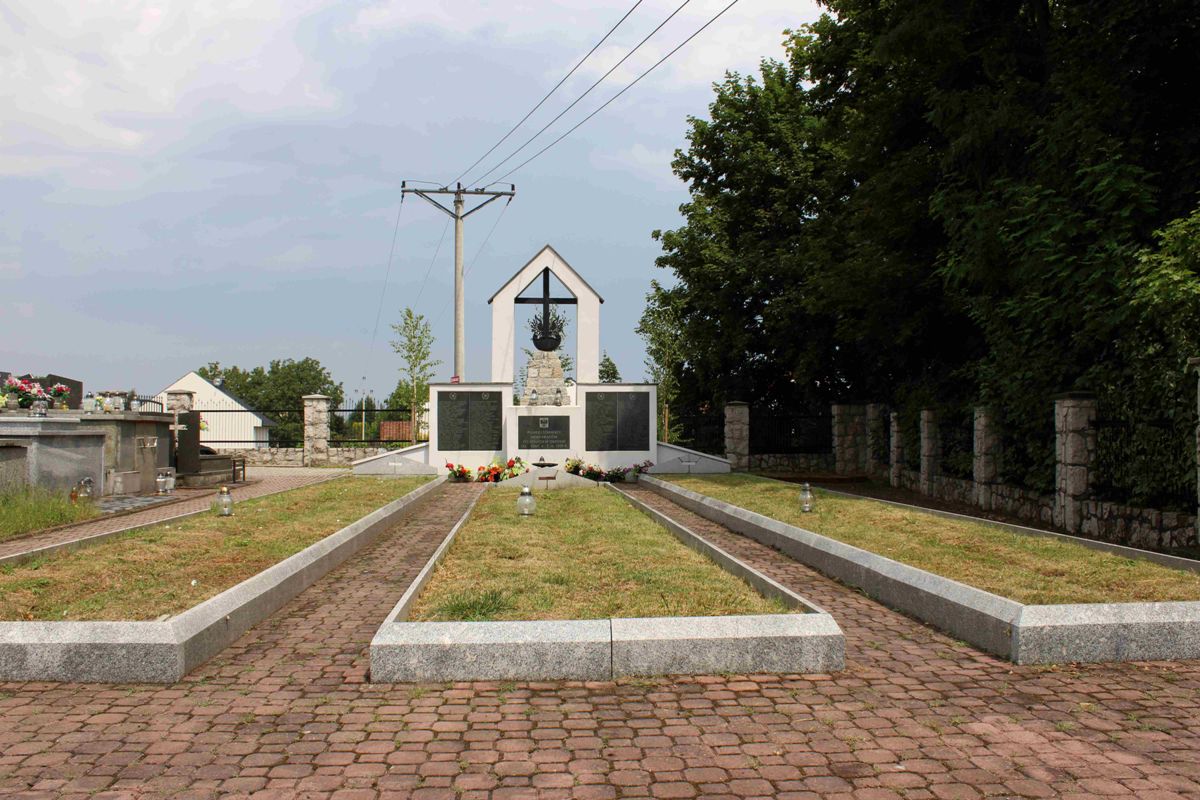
(1166, 560)
(1024, 634)
(603, 649)
(164, 651)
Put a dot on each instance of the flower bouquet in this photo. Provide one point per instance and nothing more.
(458, 473)
(60, 392)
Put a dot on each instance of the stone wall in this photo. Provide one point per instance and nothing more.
(294, 456)
(792, 462)
(544, 375)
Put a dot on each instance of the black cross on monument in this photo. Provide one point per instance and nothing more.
(545, 300)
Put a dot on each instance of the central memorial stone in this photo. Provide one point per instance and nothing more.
(544, 433)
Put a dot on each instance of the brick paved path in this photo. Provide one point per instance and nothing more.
(269, 481)
(284, 713)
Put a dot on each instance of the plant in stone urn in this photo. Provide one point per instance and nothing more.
(547, 329)
(12, 392)
(60, 392)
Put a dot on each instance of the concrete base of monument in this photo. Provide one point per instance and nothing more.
(674, 459)
(805, 641)
(547, 478)
(413, 460)
(1024, 634)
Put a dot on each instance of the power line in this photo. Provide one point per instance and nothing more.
(383, 294)
(478, 252)
(618, 94)
(585, 94)
(436, 250)
(552, 91)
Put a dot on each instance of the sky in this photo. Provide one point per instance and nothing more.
(219, 180)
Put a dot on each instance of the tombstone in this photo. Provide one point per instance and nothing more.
(187, 443)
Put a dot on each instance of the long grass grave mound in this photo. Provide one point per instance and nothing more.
(585, 554)
(174, 566)
(1030, 569)
(25, 510)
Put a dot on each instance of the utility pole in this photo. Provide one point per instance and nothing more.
(459, 215)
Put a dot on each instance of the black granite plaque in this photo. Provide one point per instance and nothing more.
(470, 421)
(187, 447)
(617, 421)
(544, 433)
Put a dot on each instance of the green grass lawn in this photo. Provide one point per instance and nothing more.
(171, 567)
(586, 554)
(1029, 569)
(26, 510)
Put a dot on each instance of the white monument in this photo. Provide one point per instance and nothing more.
(479, 423)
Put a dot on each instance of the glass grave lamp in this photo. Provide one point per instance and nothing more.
(224, 502)
(806, 498)
(558, 397)
(526, 505)
(84, 488)
(533, 397)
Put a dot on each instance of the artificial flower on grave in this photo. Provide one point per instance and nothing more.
(60, 391)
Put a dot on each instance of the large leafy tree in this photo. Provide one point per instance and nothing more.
(278, 389)
(946, 202)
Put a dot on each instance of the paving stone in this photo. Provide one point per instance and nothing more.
(286, 712)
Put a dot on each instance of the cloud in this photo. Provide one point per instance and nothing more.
(11, 269)
(738, 40)
(651, 165)
(118, 75)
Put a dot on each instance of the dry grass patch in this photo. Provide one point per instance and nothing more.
(1029, 569)
(587, 554)
(171, 567)
(30, 509)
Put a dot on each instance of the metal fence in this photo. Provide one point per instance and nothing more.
(244, 429)
(375, 427)
(790, 433)
(1146, 462)
(702, 431)
(956, 430)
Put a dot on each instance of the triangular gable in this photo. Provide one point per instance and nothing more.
(562, 261)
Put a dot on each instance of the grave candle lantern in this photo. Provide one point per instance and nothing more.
(806, 498)
(224, 502)
(558, 397)
(526, 505)
(533, 398)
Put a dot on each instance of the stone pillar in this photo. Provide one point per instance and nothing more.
(931, 450)
(986, 456)
(737, 435)
(849, 439)
(316, 429)
(180, 400)
(875, 443)
(1075, 450)
(895, 452)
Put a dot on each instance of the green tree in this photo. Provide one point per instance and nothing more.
(414, 346)
(608, 370)
(278, 390)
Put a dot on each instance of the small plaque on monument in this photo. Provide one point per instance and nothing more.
(544, 433)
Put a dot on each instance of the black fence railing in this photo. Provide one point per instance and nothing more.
(375, 427)
(790, 433)
(704, 432)
(1146, 462)
(956, 430)
(243, 429)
